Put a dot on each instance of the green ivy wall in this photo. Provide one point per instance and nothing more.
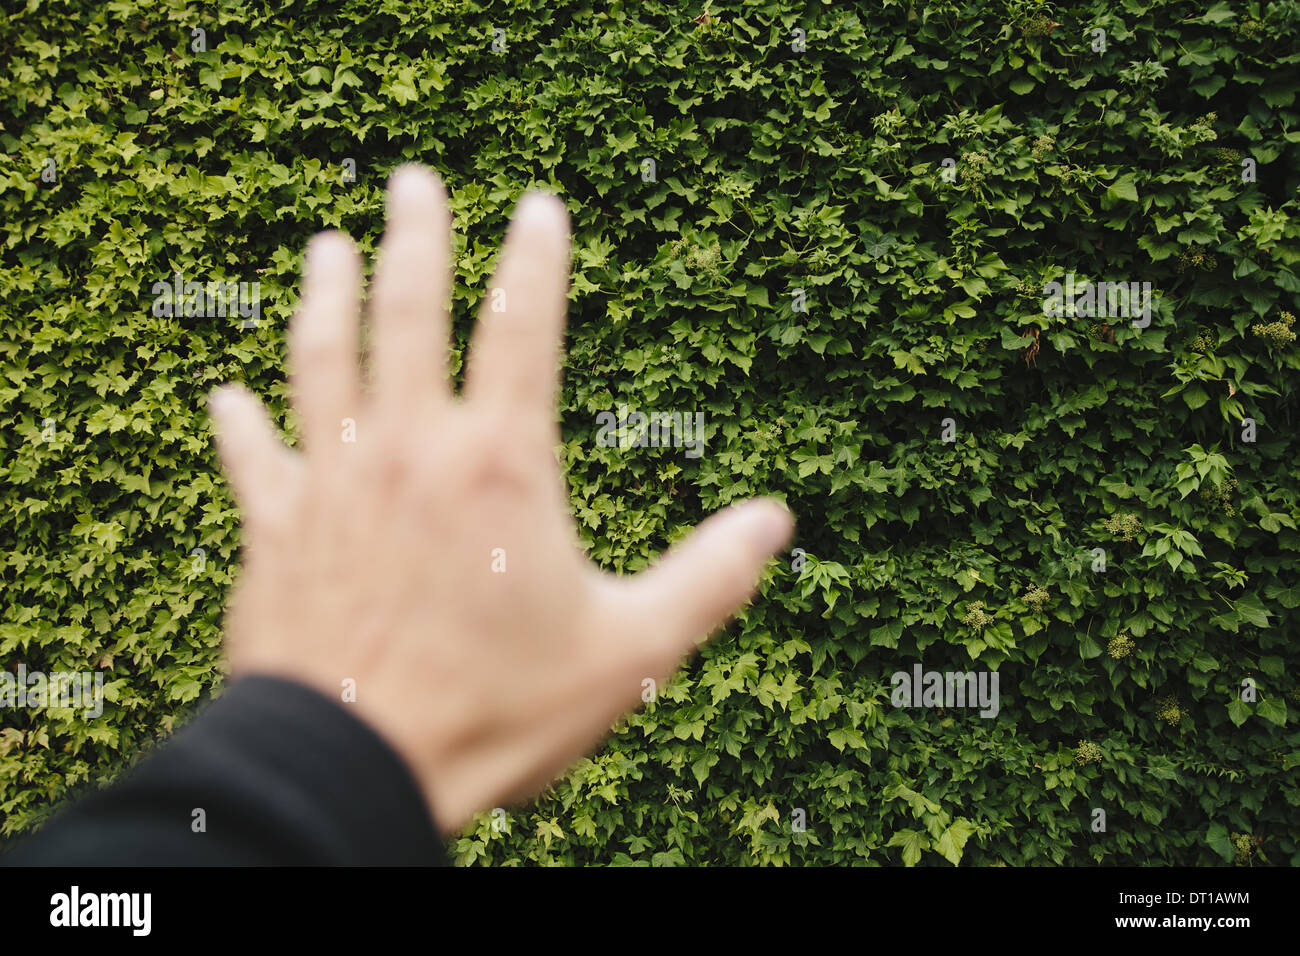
(860, 323)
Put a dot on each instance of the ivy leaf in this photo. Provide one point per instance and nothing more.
(912, 843)
(1273, 709)
(846, 737)
(879, 246)
(1195, 397)
(1014, 342)
(1221, 12)
(953, 841)
(1287, 595)
(1089, 648)
(1219, 841)
(1124, 188)
(1251, 609)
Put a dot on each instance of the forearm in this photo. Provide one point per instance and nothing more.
(271, 773)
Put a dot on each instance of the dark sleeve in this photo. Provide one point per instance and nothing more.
(283, 775)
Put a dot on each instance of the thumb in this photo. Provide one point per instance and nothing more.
(700, 582)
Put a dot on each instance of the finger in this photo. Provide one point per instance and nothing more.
(260, 468)
(323, 341)
(408, 312)
(706, 578)
(514, 358)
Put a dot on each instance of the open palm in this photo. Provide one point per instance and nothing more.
(417, 560)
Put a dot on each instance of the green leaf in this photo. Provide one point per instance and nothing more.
(1251, 610)
(1195, 396)
(953, 841)
(1012, 341)
(1221, 12)
(912, 843)
(1124, 188)
(1219, 841)
(1273, 709)
(1287, 595)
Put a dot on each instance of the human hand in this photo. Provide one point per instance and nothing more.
(371, 561)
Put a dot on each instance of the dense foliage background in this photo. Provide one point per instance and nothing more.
(774, 170)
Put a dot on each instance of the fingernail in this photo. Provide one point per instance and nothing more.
(406, 175)
(325, 252)
(771, 524)
(535, 208)
(408, 184)
(219, 399)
